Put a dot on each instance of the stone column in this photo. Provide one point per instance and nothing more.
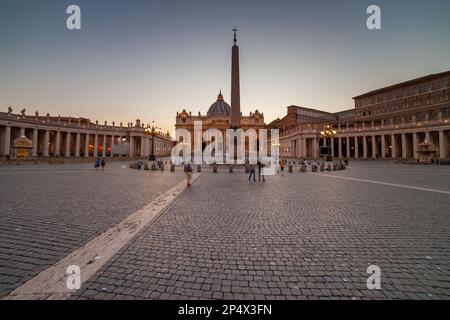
(304, 147)
(131, 147)
(394, 147)
(7, 144)
(315, 148)
(340, 147)
(356, 148)
(415, 145)
(57, 142)
(404, 150)
(374, 147)
(22, 132)
(35, 143)
(96, 145)
(443, 145)
(104, 146)
(77, 145)
(143, 147)
(112, 144)
(383, 146)
(427, 136)
(67, 144)
(46, 140)
(364, 147)
(86, 146)
(332, 146)
(348, 147)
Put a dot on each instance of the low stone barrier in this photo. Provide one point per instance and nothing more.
(133, 165)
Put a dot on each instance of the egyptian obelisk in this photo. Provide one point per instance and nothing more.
(235, 92)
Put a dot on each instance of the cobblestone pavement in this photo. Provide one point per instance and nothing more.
(297, 236)
(46, 212)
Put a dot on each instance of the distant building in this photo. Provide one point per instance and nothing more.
(78, 137)
(386, 123)
(220, 114)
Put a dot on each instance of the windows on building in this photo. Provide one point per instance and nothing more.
(418, 116)
(443, 83)
(444, 112)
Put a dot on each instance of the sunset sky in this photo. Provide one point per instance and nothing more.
(149, 59)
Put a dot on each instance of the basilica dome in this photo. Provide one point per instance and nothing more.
(219, 109)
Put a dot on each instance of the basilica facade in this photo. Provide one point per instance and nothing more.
(220, 114)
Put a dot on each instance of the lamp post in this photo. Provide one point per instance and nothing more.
(152, 130)
(328, 132)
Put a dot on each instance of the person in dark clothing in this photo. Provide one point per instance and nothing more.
(188, 170)
(260, 168)
(252, 172)
(97, 164)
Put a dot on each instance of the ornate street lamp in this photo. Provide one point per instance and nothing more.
(328, 132)
(152, 130)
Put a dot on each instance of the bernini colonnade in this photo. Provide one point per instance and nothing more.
(78, 137)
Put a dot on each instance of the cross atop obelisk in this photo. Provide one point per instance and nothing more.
(235, 94)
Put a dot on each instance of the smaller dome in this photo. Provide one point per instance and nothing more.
(219, 109)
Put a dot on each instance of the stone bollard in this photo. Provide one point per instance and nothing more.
(290, 168)
(247, 168)
(199, 168)
(172, 168)
(146, 167)
(215, 168)
(322, 167)
(329, 167)
(302, 168)
(133, 165)
(230, 168)
(153, 167)
(162, 167)
(334, 166)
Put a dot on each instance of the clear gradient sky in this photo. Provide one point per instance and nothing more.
(149, 59)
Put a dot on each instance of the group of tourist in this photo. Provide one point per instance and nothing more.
(253, 172)
(100, 162)
(259, 165)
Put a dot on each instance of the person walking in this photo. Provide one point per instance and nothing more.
(103, 163)
(188, 170)
(282, 166)
(252, 172)
(260, 168)
(97, 164)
